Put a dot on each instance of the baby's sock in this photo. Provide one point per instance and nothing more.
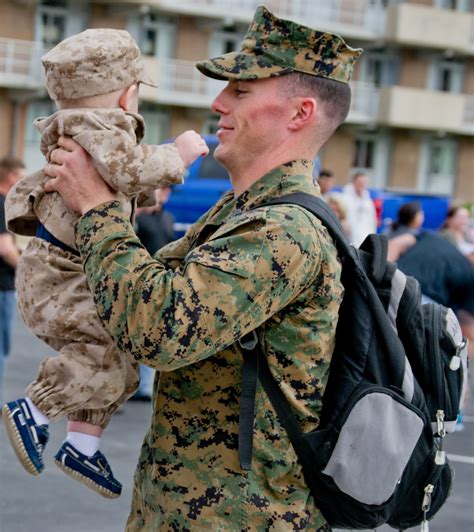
(39, 417)
(84, 443)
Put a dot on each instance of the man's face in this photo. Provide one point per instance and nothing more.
(360, 184)
(325, 184)
(14, 176)
(253, 121)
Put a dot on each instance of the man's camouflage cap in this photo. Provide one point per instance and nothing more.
(93, 62)
(274, 47)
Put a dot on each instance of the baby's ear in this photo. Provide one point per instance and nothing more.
(129, 98)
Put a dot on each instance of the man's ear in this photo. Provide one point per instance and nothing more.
(304, 115)
(128, 98)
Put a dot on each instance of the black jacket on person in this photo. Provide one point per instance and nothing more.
(444, 273)
(155, 229)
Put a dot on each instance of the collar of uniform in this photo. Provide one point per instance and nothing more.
(294, 176)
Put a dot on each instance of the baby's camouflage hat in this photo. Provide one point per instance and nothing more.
(274, 47)
(96, 61)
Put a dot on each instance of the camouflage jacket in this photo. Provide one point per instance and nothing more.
(238, 268)
(111, 137)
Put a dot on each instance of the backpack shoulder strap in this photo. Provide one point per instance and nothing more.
(321, 210)
(377, 247)
(254, 361)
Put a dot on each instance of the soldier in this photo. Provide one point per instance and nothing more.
(242, 266)
(94, 79)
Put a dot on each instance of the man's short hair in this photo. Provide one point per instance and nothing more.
(358, 174)
(325, 173)
(334, 97)
(9, 164)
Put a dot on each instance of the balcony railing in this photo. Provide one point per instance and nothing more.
(412, 108)
(20, 64)
(468, 115)
(180, 83)
(364, 103)
(364, 18)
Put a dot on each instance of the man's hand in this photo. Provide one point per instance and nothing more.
(75, 177)
(190, 146)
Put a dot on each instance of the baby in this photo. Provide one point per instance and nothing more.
(94, 79)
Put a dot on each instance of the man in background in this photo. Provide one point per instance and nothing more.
(325, 182)
(11, 170)
(154, 228)
(361, 214)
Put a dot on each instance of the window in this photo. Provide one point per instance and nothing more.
(156, 36)
(210, 168)
(58, 19)
(372, 156)
(380, 67)
(52, 16)
(156, 125)
(438, 165)
(211, 125)
(34, 159)
(226, 40)
(447, 75)
(456, 5)
(364, 153)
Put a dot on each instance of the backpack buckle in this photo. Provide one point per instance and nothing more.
(249, 341)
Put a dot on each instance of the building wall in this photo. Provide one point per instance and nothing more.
(421, 2)
(337, 155)
(464, 189)
(181, 119)
(17, 20)
(413, 69)
(192, 43)
(405, 159)
(104, 17)
(6, 117)
(469, 77)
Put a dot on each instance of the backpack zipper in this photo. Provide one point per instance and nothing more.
(435, 361)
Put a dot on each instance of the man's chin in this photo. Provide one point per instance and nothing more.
(220, 155)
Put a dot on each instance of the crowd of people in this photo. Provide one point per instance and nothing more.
(182, 307)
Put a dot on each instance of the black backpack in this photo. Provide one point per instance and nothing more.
(395, 386)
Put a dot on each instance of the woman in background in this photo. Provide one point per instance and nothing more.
(410, 218)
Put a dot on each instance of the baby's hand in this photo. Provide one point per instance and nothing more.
(190, 146)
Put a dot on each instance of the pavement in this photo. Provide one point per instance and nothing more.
(53, 502)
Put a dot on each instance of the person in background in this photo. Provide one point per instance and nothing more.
(336, 201)
(11, 171)
(154, 228)
(325, 182)
(410, 218)
(455, 229)
(361, 214)
(154, 225)
(445, 275)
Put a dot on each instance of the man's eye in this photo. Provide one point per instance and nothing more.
(239, 91)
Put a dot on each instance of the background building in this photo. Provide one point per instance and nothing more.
(411, 124)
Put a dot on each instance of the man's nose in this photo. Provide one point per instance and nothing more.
(218, 105)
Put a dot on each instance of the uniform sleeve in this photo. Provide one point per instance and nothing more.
(131, 168)
(248, 271)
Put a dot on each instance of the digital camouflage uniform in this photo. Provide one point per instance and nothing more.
(241, 266)
(89, 378)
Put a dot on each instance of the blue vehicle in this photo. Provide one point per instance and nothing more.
(207, 180)
(387, 204)
(205, 183)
